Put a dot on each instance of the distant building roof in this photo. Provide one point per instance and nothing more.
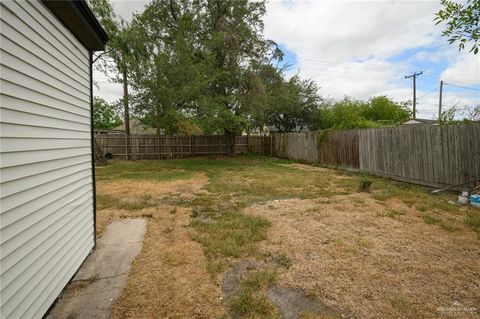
(420, 121)
(136, 127)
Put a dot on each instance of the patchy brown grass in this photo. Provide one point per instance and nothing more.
(138, 198)
(396, 252)
(357, 259)
(169, 279)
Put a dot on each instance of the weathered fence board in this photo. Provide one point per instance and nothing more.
(338, 148)
(430, 155)
(169, 147)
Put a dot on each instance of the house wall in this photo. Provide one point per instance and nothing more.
(47, 213)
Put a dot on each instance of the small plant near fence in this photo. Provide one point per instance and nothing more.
(365, 185)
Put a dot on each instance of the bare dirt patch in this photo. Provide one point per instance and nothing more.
(294, 303)
(232, 279)
(306, 167)
(373, 260)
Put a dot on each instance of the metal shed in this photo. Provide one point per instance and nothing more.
(47, 218)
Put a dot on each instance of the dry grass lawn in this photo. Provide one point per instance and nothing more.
(395, 252)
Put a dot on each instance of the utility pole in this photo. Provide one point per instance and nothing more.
(414, 76)
(440, 102)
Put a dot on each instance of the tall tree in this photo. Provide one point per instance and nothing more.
(115, 61)
(200, 57)
(234, 44)
(289, 105)
(462, 23)
(169, 77)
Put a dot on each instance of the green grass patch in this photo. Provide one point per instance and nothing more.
(251, 301)
(109, 201)
(156, 176)
(422, 208)
(472, 220)
(431, 220)
(280, 259)
(365, 185)
(434, 220)
(448, 226)
(392, 213)
(232, 234)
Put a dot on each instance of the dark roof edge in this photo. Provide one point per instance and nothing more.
(76, 16)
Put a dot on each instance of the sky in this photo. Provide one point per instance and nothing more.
(360, 49)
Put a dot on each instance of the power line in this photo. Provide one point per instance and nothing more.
(429, 92)
(437, 75)
(321, 62)
(462, 87)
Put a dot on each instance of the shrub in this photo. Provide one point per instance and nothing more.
(365, 185)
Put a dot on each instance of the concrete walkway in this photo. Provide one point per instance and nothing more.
(104, 274)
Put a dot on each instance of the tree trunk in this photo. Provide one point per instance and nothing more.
(126, 115)
(99, 156)
(230, 142)
(125, 103)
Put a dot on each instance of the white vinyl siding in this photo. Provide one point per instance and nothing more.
(46, 186)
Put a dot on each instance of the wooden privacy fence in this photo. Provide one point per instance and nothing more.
(138, 147)
(338, 148)
(429, 155)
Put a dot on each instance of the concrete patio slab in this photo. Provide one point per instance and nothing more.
(104, 274)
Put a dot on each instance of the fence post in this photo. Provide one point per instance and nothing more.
(263, 144)
(192, 145)
(158, 143)
(126, 147)
(271, 145)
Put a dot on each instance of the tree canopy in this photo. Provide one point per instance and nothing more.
(462, 23)
(105, 115)
(204, 66)
(350, 113)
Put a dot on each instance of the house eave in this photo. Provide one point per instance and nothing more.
(77, 17)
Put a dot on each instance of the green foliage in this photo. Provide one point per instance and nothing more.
(365, 185)
(197, 61)
(349, 113)
(383, 110)
(448, 116)
(168, 76)
(456, 114)
(105, 115)
(462, 24)
(121, 46)
(285, 105)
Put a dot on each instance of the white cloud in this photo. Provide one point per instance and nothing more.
(126, 8)
(347, 30)
(106, 90)
(465, 68)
